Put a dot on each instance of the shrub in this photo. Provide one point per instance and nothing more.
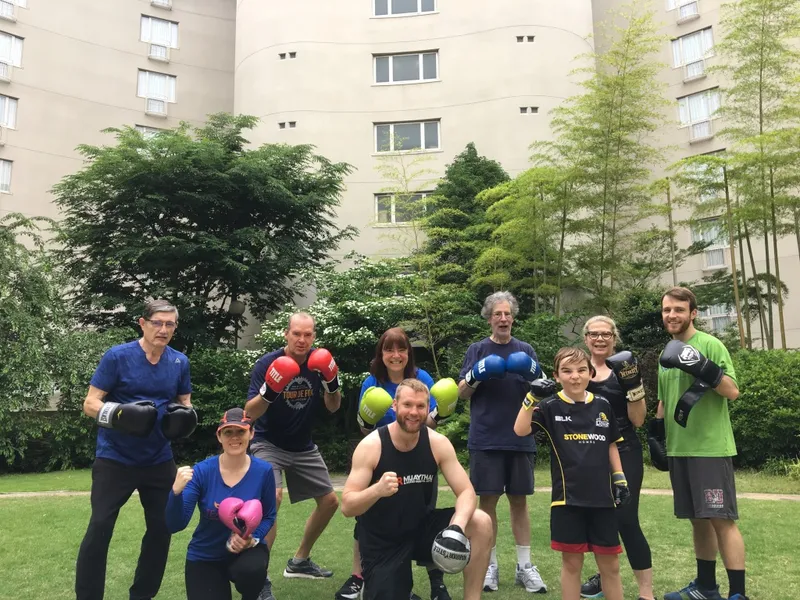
(766, 416)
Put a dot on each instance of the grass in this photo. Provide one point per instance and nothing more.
(41, 536)
(81, 480)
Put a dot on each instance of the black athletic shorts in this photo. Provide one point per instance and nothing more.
(386, 566)
(498, 472)
(703, 487)
(581, 529)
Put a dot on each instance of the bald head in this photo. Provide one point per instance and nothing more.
(300, 317)
(300, 335)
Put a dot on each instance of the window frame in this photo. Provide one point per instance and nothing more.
(4, 113)
(10, 175)
(147, 131)
(707, 54)
(167, 100)
(420, 68)
(720, 243)
(392, 150)
(708, 316)
(711, 116)
(393, 207)
(150, 32)
(21, 49)
(390, 15)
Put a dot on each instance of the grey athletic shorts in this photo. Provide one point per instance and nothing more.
(703, 487)
(306, 473)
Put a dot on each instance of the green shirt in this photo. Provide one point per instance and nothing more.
(708, 431)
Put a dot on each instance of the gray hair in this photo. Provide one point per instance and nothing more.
(496, 298)
(608, 321)
(159, 306)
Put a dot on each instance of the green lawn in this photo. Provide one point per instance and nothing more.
(746, 481)
(41, 536)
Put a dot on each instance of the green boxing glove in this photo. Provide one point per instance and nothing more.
(445, 392)
(374, 404)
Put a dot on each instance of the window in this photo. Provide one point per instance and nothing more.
(159, 32)
(388, 8)
(394, 137)
(400, 68)
(156, 85)
(714, 256)
(10, 49)
(692, 48)
(8, 112)
(5, 176)
(719, 316)
(148, 132)
(391, 209)
(697, 110)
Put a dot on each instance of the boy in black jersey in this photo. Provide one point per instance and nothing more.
(587, 473)
(389, 489)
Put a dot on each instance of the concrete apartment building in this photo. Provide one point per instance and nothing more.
(350, 77)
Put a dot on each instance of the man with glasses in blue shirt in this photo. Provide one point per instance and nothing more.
(140, 396)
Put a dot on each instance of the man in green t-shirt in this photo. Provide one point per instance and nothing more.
(695, 381)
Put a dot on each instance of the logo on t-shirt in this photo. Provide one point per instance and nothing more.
(602, 420)
(418, 478)
(298, 393)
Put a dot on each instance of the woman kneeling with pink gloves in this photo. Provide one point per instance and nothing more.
(236, 496)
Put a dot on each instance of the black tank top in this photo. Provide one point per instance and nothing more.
(611, 390)
(399, 516)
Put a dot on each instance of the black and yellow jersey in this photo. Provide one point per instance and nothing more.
(580, 434)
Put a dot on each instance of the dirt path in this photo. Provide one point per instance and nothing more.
(338, 484)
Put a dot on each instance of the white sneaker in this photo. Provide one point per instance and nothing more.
(528, 576)
(492, 579)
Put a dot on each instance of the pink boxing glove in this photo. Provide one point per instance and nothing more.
(239, 516)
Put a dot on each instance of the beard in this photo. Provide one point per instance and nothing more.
(409, 427)
(682, 327)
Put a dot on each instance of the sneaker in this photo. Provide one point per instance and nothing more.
(439, 592)
(738, 597)
(266, 591)
(693, 592)
(351, 589)
(492, 579)
(305, 569)
(592, 589)
(528, 576)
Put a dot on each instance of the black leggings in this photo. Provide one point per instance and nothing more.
(636, 546)
(211, 580)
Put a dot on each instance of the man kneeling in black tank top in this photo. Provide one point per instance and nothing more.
(389, 490)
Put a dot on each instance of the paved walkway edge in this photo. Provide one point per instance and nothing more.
(338, 487)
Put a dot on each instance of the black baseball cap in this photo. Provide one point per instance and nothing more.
(235, 417)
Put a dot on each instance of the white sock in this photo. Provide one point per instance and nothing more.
(523, 555)
(493, 556)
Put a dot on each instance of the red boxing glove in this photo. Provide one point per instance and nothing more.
(322, 361)
(282, 370)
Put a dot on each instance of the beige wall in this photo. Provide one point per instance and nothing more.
(79, 72)
(485, 76)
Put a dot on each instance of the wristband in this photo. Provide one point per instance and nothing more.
(263, 393)
(618, 478)
(529, 402)
(636, 394)
(331, 386)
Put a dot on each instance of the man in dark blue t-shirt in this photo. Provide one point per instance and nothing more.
(140, 395)
(496, 376)
(286, 388)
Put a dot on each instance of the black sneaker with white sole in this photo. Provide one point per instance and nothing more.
(351, 589)
(266, 591)
(305, 569)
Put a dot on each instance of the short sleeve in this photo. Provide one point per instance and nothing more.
(185, 386)
(105, 375)
(719, 354)
(257, 378)
(469, 360)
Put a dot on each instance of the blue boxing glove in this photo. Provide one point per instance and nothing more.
(491, 367)
(522, 364)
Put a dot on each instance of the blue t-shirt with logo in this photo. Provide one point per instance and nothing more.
(207, 490)
(391, 416)
(287, 423)
(127, 376)
(495, 404)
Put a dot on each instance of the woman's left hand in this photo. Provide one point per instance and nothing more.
(237, 544)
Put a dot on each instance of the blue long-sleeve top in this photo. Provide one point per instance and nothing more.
(207, 490)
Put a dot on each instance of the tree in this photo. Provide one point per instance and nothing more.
(761, 63)
(603, 143)
(32, 318)
(193, 216)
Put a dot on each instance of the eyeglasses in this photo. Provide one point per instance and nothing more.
(160, 324)
(499, 315)
(593, 335)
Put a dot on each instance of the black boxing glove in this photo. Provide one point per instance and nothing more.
(179, 421)
(657, 442)
(688, 359)
(134, 418)
(626, 368)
